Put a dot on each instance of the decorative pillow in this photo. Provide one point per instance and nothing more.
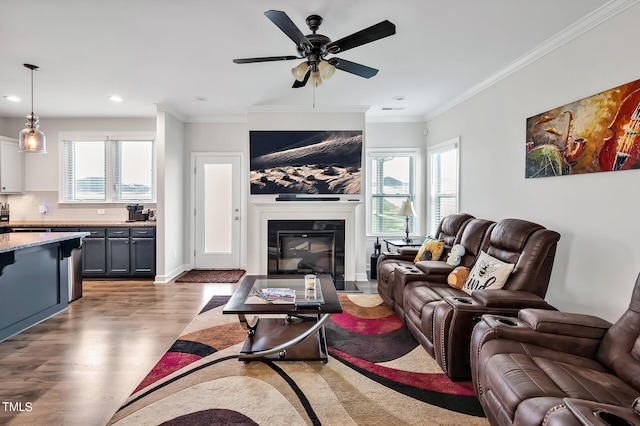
(431, 250)
(488, 273)
(458, 277)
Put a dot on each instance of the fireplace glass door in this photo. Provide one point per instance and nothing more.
(308, 252)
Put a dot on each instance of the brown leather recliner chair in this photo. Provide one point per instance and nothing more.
(448, 230)
(472, 237)
(441, 318)
(555, 368)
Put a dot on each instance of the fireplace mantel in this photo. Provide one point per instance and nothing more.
(312, 210)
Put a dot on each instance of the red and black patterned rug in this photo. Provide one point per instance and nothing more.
(377, 374)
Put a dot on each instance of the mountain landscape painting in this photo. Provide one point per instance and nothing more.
(305, 162)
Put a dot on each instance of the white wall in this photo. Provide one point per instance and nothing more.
(310, 121)
(598, 255)
(170, 146)
(400, 135)
(42, 171)
(209, 137)
(234, 137)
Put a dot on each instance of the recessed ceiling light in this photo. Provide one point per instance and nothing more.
(12, 98)
(398, 98)
(201, 98)
(115, 98)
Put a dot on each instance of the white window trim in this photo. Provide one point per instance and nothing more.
(437, 149)
(104, 136)
(418, 195)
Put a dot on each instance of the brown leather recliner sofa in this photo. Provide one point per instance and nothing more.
(441, 318)
(448, 230)
(555, 368)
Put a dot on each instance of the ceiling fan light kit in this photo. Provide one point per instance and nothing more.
(313, 49)
(300, 71)
(326, 69)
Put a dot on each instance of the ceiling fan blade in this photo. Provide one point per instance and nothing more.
(375, 32)
(297, 84)
(265, 59)
(353, 67)
(287, 26)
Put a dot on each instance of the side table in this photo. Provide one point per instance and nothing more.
(400, 243)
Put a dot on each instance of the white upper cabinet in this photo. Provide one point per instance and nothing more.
(11, 167)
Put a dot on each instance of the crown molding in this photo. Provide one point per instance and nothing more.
(592, 20)
(399, 119)
(217, 119)
(172, 111)
(267, 109)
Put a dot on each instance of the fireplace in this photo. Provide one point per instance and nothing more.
(307, 246)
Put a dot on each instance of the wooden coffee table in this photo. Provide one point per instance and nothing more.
(297, 334)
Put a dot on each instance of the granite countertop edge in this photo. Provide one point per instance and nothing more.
(71, 223)
(18, 241)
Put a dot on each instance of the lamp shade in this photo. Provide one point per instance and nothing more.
(326, 69)
(300, 71)
(406, 209)
(31, 139)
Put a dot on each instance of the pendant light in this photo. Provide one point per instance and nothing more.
(32, 140)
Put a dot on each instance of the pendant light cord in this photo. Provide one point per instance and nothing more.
(32, 92)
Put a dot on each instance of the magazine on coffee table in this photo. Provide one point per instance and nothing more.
(276, 295)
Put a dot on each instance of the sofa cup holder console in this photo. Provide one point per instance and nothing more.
(464, 300)
(611, 419)
(507, 322)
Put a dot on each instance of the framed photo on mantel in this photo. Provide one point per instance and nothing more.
(595, 134)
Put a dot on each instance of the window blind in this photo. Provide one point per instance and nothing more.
(392, 182)
(443, 187)
(87, 176)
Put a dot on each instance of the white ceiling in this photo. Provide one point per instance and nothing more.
(171, 52)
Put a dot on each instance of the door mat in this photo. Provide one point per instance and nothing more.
(212, 276)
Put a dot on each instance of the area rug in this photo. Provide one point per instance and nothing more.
(212, 276)
(377, 374)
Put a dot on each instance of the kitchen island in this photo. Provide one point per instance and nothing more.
(34, 277)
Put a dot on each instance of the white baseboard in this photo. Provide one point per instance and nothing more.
(163, 279)
(362, 277)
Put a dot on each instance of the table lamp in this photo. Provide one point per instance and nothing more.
(407, 210)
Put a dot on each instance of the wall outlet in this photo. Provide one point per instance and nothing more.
(102, 211)
(175, 253)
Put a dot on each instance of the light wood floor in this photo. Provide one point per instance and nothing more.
(78, 367)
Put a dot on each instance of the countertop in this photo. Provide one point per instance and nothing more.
(20, 240)
(72, 223)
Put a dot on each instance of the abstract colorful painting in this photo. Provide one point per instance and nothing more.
(595, 134)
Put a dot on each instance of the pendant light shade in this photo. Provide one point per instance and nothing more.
(32, 140)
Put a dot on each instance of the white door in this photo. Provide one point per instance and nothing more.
(217, 211)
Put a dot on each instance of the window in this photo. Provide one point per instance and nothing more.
(89, 177)
(393, 180)
(133, 170)
(84, 164)
(443, 181)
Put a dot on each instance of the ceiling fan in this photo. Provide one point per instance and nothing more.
(314, 48)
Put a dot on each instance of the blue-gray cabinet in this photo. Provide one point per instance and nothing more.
(119, 252)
